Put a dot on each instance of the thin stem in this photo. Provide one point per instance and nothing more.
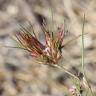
(83, 46)
(73, 39)
(32, 28)
(13, 47)
(65, 70)
(83, 70)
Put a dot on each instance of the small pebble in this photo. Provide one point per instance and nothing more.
(12, 10)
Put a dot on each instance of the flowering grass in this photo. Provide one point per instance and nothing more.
(51, 52)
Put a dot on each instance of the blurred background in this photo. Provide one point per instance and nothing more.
(19, 74)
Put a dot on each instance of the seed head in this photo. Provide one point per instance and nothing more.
(50, 52)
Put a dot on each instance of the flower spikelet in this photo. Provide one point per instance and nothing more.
(50, 52)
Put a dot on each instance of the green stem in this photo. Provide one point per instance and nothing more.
(83, 58)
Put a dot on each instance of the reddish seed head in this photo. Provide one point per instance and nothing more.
(48, 53)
